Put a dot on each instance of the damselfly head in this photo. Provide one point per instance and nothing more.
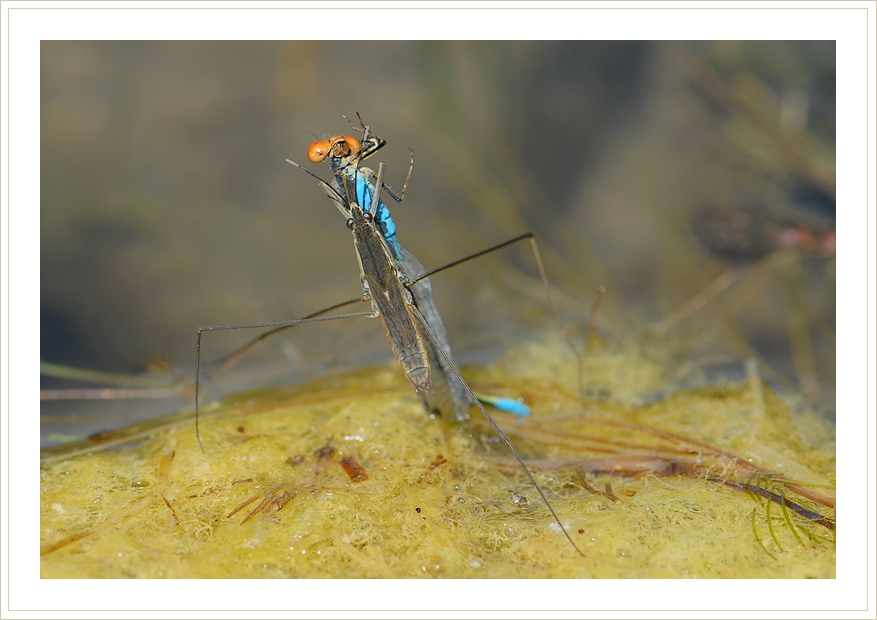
(333, 147)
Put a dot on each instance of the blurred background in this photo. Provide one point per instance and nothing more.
(694, 181)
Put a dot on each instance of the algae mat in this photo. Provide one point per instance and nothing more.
(347, 477)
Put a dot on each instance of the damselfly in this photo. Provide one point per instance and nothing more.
(357, 183)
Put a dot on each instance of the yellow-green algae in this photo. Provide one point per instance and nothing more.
(437, 499)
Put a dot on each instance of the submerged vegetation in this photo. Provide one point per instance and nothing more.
(346, 477)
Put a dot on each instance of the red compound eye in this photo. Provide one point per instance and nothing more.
(335, 146)
(318, 150)
(353, 143)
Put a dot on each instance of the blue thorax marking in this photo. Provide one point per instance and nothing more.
(364, 193)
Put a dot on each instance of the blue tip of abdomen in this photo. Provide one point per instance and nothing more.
(509, 405)
(512, 406)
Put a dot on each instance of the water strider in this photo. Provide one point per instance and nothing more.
(389, 289)
(350, 178)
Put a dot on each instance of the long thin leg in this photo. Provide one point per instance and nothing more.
(226, 363)
(431, 335)
(365, 154)
(401, 196)
(279, 324)
(379, 182)
(532, 237)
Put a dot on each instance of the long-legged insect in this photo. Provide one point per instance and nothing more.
(357, 184)
(405, 326)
